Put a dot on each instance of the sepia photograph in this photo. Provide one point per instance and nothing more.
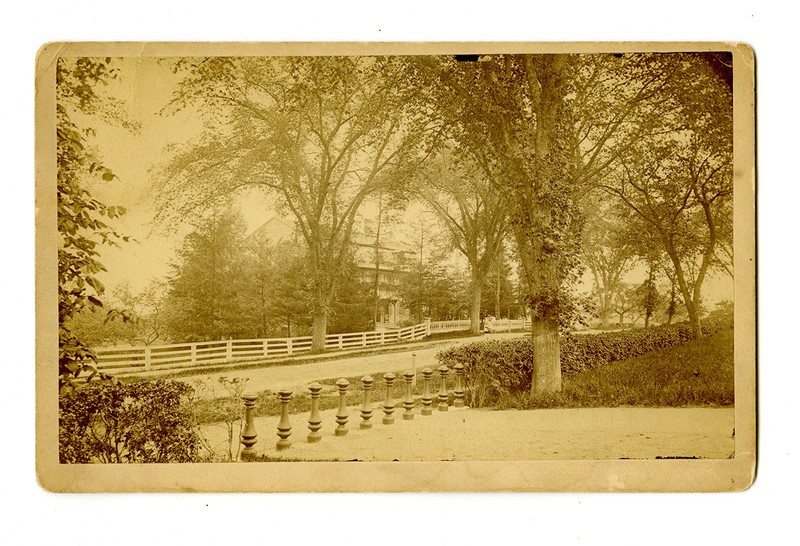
(395, 267)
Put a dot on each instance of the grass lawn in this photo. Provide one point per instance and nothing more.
(698, 373)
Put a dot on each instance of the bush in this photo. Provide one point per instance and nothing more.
(220, 406)
(143, 422)
(498, 368)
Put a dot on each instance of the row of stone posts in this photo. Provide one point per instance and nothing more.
(249, 435)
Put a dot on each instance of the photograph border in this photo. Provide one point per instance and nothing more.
(535, 475)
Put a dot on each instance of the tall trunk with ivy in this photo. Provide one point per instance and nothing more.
(545, 218)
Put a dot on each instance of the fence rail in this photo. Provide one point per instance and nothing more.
(443, 326)
(183, 356)
(507, 325)
(180, 356)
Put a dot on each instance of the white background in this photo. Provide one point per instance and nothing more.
(32, 516)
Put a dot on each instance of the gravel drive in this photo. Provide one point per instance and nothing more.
(486, 435)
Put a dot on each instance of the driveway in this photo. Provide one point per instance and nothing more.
(487, 435)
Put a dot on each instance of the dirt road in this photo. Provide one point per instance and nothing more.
(478, 435)
(486, 435)
(298, 376)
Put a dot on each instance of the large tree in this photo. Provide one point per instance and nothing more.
(474, 214)
(436, 292)
(545, 127)
(500, 294)
(608, 252)
(279, 296)
(207, 288)
(679, 182)
(321, 133)
(684, 194)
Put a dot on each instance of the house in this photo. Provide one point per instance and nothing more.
(387, 263)
(275, 229)
(387, 259)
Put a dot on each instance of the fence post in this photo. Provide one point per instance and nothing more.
(314, 421)
(266, 348)
(427, 327)
(458, 392)
(364, 339)
(193, 349)
(366, 409)
(147, 355)
(248, 436)
(284, 426)
(383, 337)
(229, 350)
(443, 394)
(408, 402)
(341, 341)
(289, 346)
(341, 414)
(427, 399)
(388, 405)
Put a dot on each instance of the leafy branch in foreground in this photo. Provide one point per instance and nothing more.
(82, 219)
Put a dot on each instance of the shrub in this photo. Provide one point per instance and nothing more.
(223, 406)
(143, 422)
(498, 368)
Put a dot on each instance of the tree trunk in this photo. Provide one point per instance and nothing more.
(475, 305)
(541, 259)
(319, 330)
(604, 320)
(694, 319)
(497, 294)
(546, 356)
(688, 299)
(672, 302)
(377, 285)
(605, 308)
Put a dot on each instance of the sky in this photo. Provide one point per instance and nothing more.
(145, 85)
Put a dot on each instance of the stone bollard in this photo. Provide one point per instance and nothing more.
(366, 409)
(443, 371)
(458, 392)
(284, 426)
(248, 437)
(408, 401)
(315, 420)
(341, 415)
(427, 398)
(388, 406)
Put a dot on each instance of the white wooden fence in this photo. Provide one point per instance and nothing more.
(442, 326)
(177, 356)
(181, 356)
(507, 325)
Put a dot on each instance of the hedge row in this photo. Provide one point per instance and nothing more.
(496, 367)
